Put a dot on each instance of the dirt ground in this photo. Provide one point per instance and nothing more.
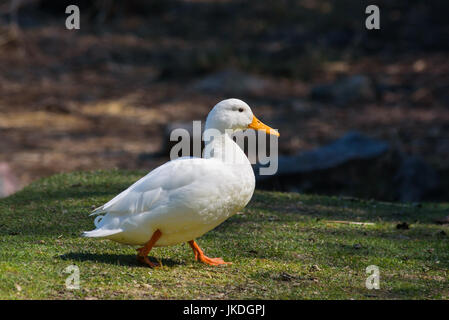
(90, 99)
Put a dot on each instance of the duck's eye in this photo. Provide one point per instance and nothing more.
(240, 109)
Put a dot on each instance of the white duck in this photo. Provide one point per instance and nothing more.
(185, 198)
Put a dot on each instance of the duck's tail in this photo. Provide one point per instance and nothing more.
(100, 233)
(100, 222)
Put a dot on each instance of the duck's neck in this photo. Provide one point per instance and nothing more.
(221, 146)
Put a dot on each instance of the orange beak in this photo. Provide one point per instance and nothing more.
(258, 125)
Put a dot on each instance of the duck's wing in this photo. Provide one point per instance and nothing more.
(148, 191)
(171, 192)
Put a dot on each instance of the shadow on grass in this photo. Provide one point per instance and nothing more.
(78, 192)
(116, 259)
(334, 208)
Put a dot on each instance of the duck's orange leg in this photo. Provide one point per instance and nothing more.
(142, 254)
(199, 255)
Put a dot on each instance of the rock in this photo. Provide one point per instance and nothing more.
(170, 127)
(345, 90)
(193, 133)
(231, 82)
(8, 181)
(352, 146)
(415, 179)
(358, 166)
(355, 165)
(315, 267)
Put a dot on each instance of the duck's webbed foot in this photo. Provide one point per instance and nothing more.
(200, 256)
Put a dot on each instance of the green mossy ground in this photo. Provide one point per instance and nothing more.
(283, 246)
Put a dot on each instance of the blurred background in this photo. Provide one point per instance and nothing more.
(362, 113)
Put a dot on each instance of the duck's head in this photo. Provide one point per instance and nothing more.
(234, 114)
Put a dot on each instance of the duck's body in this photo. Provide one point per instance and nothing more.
(180, 199)
(184, 198)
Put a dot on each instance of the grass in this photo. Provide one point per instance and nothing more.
(283, 245)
